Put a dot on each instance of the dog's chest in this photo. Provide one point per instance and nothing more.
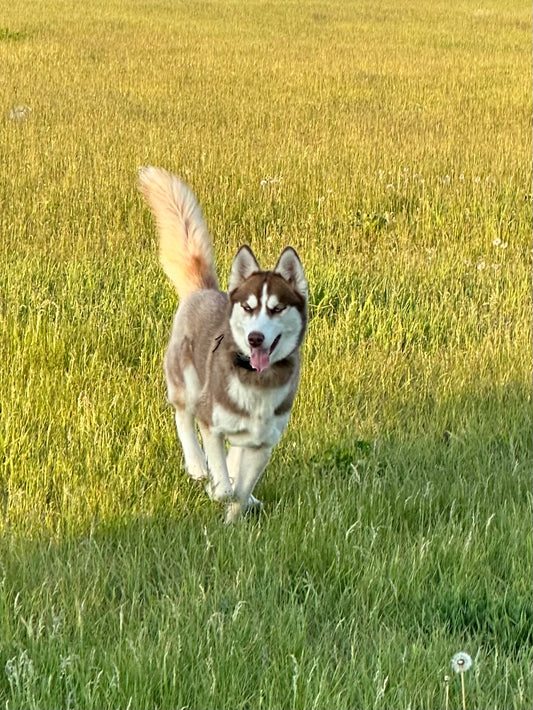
(249, 416)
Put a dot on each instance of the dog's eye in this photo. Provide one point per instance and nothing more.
(278, 309)
(246, 307)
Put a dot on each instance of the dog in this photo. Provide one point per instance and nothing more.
(233, 361)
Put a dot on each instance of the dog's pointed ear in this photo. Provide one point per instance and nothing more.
(244, 265)
(290, 268)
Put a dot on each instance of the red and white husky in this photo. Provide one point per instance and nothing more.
(232, 363)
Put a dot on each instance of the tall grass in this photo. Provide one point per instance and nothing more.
(390, 144)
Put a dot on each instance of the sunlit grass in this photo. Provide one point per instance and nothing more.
(391, 146)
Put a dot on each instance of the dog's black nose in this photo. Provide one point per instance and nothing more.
(255, 338)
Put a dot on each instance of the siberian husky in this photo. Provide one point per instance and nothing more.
(232, 363)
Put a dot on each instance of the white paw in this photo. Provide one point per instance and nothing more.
(236, 510)
(219, 493)
(233, 512)
(197, 472)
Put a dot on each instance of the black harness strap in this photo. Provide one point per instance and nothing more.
(219, 339)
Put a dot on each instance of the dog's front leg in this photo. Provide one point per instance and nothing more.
(194, 456)
(219, 487)
(252, 465)
(234, 462)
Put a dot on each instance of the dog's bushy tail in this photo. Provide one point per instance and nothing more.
(185, 248)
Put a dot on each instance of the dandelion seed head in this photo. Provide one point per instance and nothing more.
(19, 113)
(461, 662)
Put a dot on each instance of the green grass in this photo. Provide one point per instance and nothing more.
(390, 144)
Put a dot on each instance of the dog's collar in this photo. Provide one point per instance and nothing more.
(243, 361)
(239, 360)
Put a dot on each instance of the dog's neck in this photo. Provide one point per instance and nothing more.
(243, 361)
(239, 360)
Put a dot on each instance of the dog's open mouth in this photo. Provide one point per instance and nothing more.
(260, 358)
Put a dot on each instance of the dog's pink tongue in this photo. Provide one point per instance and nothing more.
(259, 359)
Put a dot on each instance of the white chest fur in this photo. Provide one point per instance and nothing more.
(258, 425)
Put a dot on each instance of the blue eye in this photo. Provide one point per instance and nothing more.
(246, 307)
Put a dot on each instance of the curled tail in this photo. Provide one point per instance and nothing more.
(185, 248)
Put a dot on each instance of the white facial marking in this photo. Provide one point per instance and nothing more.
(251, 301)
(272, 301)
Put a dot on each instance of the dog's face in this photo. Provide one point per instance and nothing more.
(268, 308)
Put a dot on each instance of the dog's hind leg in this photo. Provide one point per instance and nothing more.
(252, 465)
(195, 462)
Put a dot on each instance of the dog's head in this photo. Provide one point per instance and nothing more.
(268, 308)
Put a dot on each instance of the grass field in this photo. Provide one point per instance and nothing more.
(390, 144)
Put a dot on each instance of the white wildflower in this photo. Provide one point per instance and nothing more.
(19, 113)
(461, 662)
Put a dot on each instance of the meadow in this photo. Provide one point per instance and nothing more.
(390, 144)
